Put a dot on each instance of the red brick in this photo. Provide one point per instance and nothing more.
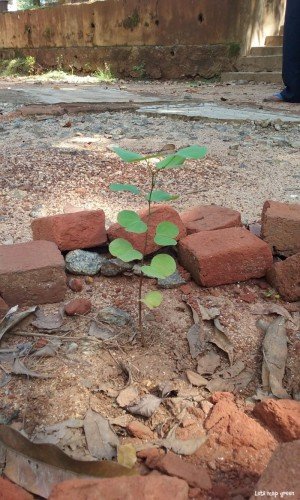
(139, 430)
(209, 218)
(281, 227)
(71, 231)
(282, 473)
(173, 465)
(3, 308)
(32, 273)
(285, 277)
(224, 256)
(149, 487)
(159, 213)
(10, 491)
(281, 417)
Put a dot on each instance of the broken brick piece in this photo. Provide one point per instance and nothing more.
(159, 213)
(32, 273)
(224, 256)
(285, 277)
(210, 218)
(85, 229)
(281, 227)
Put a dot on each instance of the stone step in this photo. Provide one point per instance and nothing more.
(260, 63)
(266, 51)
(274, 41)
(251, 76)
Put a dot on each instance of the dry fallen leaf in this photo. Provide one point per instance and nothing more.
(274, 358)
(208, 314)
(101, 440)
(38, 467)
(47, 321)
(127, 455)
(12, 318)
(181, 447)
(196, 379)
(208, 364)
(195, 338)
(100, 332)
(271, 309)
(19, 368)
(220, 339)
(146, 406)
(127, 396)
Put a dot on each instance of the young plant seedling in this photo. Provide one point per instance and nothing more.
(162, 265)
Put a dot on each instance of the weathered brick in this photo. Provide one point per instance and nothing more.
(285, 277)
(10, 491)
(159, 213)
(281, 227)
(224, 256)
(71, 231)
(209, 218)
(32, 273)
(281, 417)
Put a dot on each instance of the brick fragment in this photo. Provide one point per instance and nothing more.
(159, 213)
(10, 491)
(209, 218)
(224, 256)
(281, 227)
(285, 277)
(71, 231)
(282, 417)
(32, 273)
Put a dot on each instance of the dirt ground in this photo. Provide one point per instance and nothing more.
(47, 168)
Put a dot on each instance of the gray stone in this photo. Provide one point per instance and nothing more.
(113, 267)
(84, 262)
(114, 316)
(171, 281)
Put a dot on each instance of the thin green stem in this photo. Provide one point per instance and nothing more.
(141, 280)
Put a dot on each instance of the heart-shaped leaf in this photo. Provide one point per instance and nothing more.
(161, 266)
(124, 187)
(159, 195)
(152, 299)
(124, 250)
(171, 161)
(165, 234)
(193, 152)
(127, 156)
(132, 222)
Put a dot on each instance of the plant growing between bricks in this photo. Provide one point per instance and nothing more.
(162, 265)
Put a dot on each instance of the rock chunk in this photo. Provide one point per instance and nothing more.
(224, 256)
(159, 213)
(209, 218)
(281, 227)
(32, 273)
(71, 231)
(283, 472)
(285, 277)
(281, 417)
(78, 307)
(126, 488)
(114, 316)
(84, 262)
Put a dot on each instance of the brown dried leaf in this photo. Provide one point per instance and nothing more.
(219, 384)
(196, 379)
(127, 396)
(195, 338)
(12, 318)
(275, 356)
(19, 368)
(101, 440)
(47, 321)
(271, 309)
(208, 363)
(38, 467)
(182, 447)
(100, 332)
(221, 340)
(208, 314)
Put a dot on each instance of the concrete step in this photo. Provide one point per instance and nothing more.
(260, 63)
(274, 41)
(251, 76)
(266, 51)
(281, 30)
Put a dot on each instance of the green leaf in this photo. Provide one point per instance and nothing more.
(128, 156)
(124, 187)
(152, 299)
(161, 196)
(171, 161)
(132, 222)
(124, 250)
(165, 234)
(193, 152)
(161, 266)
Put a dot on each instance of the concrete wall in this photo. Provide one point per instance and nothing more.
(160, 38)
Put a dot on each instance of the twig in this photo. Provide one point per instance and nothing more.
(5, 371)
